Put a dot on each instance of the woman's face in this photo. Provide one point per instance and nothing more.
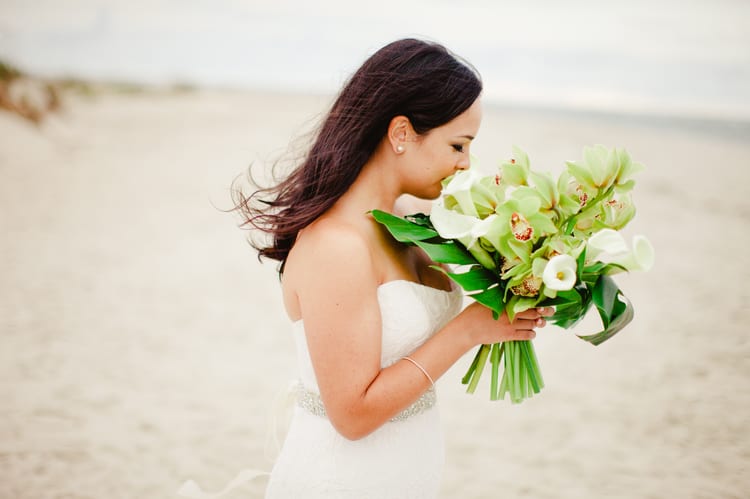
(441, 152)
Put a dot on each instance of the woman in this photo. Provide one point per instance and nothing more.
(375, 325)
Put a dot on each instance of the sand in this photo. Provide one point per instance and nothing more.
(143, 344)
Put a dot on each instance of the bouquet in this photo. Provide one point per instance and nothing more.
(521, 239)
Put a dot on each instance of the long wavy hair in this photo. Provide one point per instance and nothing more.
(417, 79)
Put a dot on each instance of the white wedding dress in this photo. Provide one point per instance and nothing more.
(402, 459)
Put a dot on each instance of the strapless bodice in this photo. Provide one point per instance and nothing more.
(410, 314)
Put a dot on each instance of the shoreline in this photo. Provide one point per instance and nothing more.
(713, 122)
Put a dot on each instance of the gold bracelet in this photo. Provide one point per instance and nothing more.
(420, 368)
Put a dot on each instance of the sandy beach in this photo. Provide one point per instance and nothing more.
(143, 344)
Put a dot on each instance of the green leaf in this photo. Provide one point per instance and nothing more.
(604, 295)
(564, 297)
(599, 268)
(403, 230)
(420, 219)
(570, 307)
(447, 252)
(477, 278)
(623, 316)
(580, 262)
(491, 298)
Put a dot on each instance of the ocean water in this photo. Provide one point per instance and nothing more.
(669, 58)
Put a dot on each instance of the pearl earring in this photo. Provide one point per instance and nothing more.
(399, 148)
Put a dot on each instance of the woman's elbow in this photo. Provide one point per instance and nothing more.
(353, 427)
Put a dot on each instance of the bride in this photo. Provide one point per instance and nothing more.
(375, 326)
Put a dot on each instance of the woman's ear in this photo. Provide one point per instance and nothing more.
(400, 132)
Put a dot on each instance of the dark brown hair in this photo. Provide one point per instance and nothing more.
(417, 79)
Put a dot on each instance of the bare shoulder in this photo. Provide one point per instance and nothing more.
(330, 253)
(330, 241)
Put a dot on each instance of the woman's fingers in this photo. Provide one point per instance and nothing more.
(535, 313)
(528, 324)
(523, 329)
(523, 334)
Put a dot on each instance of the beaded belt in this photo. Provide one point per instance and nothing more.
(311, 401)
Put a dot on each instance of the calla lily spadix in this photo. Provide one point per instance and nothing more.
(560, 273)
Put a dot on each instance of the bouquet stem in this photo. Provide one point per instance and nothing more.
(521, 377)
(477, 366)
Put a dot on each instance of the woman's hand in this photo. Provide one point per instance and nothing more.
(481, 328)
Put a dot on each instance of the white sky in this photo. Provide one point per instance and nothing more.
(690, 54)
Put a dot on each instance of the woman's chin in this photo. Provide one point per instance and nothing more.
(433, 193)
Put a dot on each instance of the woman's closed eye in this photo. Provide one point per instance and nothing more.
(458, 147)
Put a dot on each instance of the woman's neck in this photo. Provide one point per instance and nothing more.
(376, 187)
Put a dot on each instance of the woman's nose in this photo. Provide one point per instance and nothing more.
(463, 163)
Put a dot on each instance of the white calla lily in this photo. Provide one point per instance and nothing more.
(641, 257)
(460, 187)
(560, 273)
(462, 180)
(451, 224)
(466, 229)
(606, 241)
(609, 246)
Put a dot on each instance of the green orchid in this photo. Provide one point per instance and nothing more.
(546, 188)
(515, 171)
(572, 195)
(615, 213)
(627, 169)
(519, 224)
(561, 244)
(599, 169)
(471, 194)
